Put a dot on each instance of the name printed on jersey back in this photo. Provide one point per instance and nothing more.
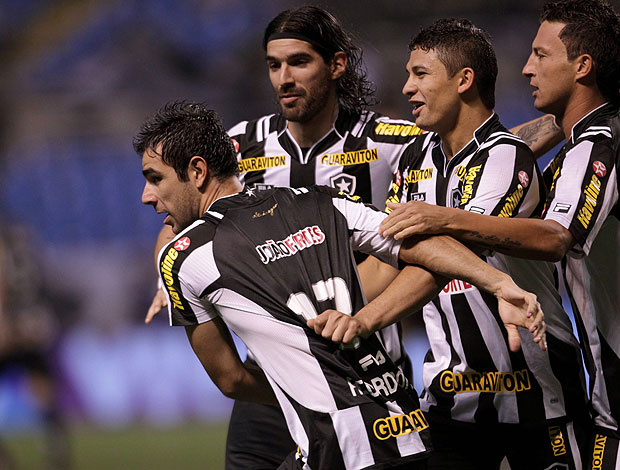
(274, 250)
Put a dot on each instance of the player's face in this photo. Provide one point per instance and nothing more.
(300, 78)
(550, 72)
(167, 193)
(432, 93)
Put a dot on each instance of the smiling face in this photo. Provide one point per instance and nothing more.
(167, 193)
(550, 72)
(300, 78)
(433, 94)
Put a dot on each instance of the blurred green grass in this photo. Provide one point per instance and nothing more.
(191, 446)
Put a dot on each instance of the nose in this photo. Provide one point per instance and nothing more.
(528, 68)
(286, 76)
(409, 88)
(148, 197)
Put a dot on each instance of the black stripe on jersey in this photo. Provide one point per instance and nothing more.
(530, 403)
(561, 356)
(610, 363)
(477, 355)
(323, 452)
(302, 175)
(440, 181)
(445, 400)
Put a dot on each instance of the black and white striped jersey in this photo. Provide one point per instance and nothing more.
(268, 260)
(470, 374)
(584, 199)
(358, 156)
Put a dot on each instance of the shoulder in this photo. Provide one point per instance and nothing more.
(257, 130)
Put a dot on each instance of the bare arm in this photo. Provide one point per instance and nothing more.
(526, 238)
(159, 300)
(375, 276)
(448, 259)
(541, 134)
(214, 346)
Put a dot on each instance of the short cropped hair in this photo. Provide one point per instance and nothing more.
(185, 130)
(459, 44)
(591, 27)
(326, 35)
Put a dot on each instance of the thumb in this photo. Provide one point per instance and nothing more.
(514, 340)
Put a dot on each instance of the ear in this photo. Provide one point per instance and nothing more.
(338, 65)
(197, 171)
(465, 79)
(584, 65)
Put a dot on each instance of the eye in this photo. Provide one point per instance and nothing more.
(273, 65)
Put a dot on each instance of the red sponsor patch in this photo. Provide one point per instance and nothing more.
(182, 244)
(524, 179)
(599, 168)
(397, 178)
(236, 144)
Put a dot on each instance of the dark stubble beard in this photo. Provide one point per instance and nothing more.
(313, 103)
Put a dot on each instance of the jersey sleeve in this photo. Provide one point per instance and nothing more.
(505, 184)
(185, 274)
(363, 223)
(584, 191)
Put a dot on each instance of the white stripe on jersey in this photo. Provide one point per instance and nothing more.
(355, 446)
(495, 178)
(410, 443)
(239, 128)
(281, 349)
(497, 136)
(200, 270)
(365, 118)
(606, 133)
(365, 226)
(295, 427)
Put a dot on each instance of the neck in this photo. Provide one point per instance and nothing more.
(579, 104)
(308, 133)
(218, 189)
(462, 131)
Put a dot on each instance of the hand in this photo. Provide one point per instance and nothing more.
(521, 308)
(338, 327)
(159, 301)
(413, 218)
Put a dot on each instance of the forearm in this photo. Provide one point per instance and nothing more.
(449, 258)
(375, 276)
(526, 238)
(541, 134)
(410, 290)
(214, 347)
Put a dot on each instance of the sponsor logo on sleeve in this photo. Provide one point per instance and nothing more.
(305, 238)
(524, 179)
(512, 202)
(261, 163)
(591, 193)
(355, 157)
(344, 183)
(490, 382)
(456, 286)
(398, 425)
(477, 210)
(369, 360)
(235, 144)
(182, 244)
(263, 186)
(166, 266)
(561, 208)
(599, 168)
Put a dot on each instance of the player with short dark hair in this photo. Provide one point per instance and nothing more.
(574, 68)
(266, 263)
(469, 162)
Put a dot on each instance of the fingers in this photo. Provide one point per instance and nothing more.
(159, 302)
(335, 326)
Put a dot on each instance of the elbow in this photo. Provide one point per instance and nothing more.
(558, 243)
(230, 387)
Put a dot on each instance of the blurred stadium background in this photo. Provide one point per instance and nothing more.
(77, 79)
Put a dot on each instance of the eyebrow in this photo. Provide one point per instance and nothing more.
(296, 55)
